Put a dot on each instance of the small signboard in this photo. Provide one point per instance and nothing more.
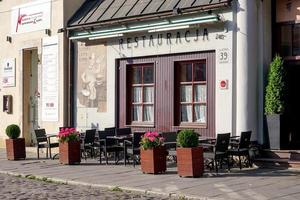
(224, 56)
(9, 72)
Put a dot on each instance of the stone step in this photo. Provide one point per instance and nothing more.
(277, 163)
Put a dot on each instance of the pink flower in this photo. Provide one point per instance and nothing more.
(152, 139)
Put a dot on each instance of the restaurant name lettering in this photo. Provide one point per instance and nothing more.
(168, 38)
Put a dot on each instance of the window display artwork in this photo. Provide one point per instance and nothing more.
(91, 77)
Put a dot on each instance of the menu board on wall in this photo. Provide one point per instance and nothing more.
(9, 72)
(50, 79)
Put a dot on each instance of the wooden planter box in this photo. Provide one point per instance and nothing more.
(153, 161)
(15, 149)
(190, 162)
(69, 153)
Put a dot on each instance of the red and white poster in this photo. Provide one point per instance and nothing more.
(31, 17)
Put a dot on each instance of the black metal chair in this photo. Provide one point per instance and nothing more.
(242, 148)
(123, 131)
(132, 148)
(87, 143)
(107, 144)
(110, 129)
(170, 144)
(220, 152)
(42, 141)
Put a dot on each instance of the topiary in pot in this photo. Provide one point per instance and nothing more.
(187, 138)
(189, 154)
(13, 131)
(274, 100)
(15, 147)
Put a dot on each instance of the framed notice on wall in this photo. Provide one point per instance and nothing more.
(50, 79)
(9, 72)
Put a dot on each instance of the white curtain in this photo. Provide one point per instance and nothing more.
(137, 113)
(149, 94)
(137, 94)
(186, 113)
(200, 93)
(186, 93)
(148, 113)
(200, 113)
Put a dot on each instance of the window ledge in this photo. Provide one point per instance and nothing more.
(200, 126)
(141, 125)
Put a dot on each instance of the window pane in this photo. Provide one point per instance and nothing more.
(200, 72)
(137, 94)
(296, 40)
(137, 75)
(286, 40)
(200, 113)
(148, 75)
(186, 72)
(200, 93)
(137, 113)
(186, 93)
(149, 94)
(186, 113)
(148, 113)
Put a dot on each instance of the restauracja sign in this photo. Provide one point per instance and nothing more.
(169, 38)
(31, 17)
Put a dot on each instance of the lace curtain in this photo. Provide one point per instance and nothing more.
(148, 110)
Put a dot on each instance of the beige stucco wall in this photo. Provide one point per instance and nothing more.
(60, 12)
(287, 10)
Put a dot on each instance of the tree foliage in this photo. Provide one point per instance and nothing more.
(274, 99)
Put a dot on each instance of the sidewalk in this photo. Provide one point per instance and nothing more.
(256, 184)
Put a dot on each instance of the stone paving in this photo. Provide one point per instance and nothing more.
(26, 189)
(251, 184)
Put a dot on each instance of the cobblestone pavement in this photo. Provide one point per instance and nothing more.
(23, 188)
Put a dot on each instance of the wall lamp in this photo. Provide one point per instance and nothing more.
(48, 32)
(8, 39)
(61, 30)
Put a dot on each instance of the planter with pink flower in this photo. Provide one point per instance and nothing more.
(69, 146)
(153, 153)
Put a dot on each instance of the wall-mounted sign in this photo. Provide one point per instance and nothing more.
(223, 56)
(9, 72)
(223, 84)
(50, 79)
(31, 17)
(7, 104)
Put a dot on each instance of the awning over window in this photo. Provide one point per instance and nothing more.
(96, 12)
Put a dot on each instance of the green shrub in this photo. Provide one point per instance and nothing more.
(13, 131)
(274, 99)
(187, 138)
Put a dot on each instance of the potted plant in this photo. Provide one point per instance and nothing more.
(15, 146)
(189, 154)
(274, 100)
(69, 146)
(153, 153)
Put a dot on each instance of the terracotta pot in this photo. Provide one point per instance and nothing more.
(15, 149)
(153, 161)
(190, 162)
(69, 153)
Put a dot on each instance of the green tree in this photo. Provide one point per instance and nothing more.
(274, 99)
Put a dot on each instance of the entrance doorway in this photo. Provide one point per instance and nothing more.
(30, 94)
(290, 137)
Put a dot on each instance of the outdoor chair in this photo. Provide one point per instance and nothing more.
(110, 129)
(242, 148)
(220, 152)
(132, 148)
(42, 141)
(123, 131)
(107, 144)
(87, 143)
(170, 143)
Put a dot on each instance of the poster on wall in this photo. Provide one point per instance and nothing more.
(91, 84)
(31, 17)
(9, 72)
(50, 79)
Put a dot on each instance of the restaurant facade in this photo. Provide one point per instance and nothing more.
(170, 65)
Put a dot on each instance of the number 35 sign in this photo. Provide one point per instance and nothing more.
(223, 56)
